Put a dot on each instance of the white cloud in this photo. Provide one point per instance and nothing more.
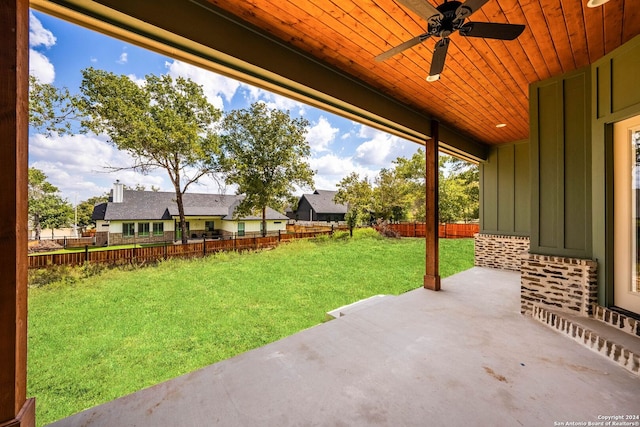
(321, 135)
(275, 101)
(38, 35)
(124, 57)
(374, 152)
(40, 67)
(382, 148)
(368, 132)
(215, 86)
(330, 164)
(78, 165)
(331, 169)
(137, 80)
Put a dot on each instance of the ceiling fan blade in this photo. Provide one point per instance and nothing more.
(422, 8)
(467, 8)
(439, 55)
(404, 46)
(492, 30)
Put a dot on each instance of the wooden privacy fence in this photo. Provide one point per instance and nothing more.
(446, 231)
(140, 255)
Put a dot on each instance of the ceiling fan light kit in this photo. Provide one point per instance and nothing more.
(446, 19)
(596, 3)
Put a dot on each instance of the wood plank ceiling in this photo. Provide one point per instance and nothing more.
(484, 83)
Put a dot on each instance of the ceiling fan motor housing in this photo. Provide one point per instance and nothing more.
(453, 15)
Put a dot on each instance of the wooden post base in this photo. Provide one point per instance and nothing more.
(432, 282)
(25, 418)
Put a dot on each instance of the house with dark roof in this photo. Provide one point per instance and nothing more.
(152, 216)
(319, 206)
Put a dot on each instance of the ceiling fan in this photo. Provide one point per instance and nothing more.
(446, 19)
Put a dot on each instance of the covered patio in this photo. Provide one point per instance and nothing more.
(462, 356)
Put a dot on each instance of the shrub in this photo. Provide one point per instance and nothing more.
(63, 274)
(53, 274)
(365, 233)
(383, 228)
(340, 235)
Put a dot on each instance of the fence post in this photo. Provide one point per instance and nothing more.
(165, 250)
(415, 229)
(331, 230)
(86, 253)
(279, 238)
(134, 254)
(204, 246)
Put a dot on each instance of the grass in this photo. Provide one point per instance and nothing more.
(108, 335)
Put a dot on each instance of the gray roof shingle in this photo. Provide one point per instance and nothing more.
(322, 202)
(155, 205)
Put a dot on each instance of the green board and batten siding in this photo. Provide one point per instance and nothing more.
(616, 96)
(565, 171)
(505, 207)
(560, 165)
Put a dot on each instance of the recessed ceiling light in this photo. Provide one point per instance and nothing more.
(433, 78)
(501, 125)
(596, 3)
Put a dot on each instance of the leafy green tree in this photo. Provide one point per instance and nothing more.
(263, 152)
(51, 110)
(412, 173)
(85, 210)
(459, 189)
(163, 124)
(390, 196)
(357, 194)
(46, 208)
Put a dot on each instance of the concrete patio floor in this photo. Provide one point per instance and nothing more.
(460, 357)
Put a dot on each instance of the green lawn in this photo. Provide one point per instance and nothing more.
(112, 334)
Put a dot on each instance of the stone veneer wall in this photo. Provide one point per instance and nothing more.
(503, 252)
(565, 284)
(117, 239)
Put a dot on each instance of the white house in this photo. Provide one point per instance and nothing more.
(149, 216)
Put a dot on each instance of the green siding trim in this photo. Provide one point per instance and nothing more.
(560, 165)
(577, 159)
(522, 180)
(504, 191)
(506, 187)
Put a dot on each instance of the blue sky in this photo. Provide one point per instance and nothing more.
(78, 164)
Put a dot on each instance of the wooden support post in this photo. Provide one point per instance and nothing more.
(432, 273)
(15, 409)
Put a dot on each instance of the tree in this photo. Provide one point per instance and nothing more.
(412, 172)
(162, 123)
(263, 151)
(85, 210)
(51, 110)
(458, 186)
(459, 189)
(357, 194)
(390, 196)
(46, 208)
